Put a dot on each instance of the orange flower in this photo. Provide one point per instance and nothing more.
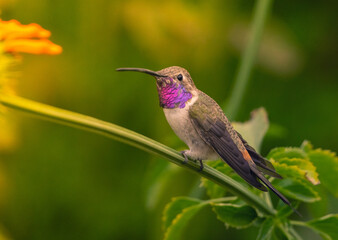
(31, 38)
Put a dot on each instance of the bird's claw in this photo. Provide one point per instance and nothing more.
(185, 161)
(201, 166)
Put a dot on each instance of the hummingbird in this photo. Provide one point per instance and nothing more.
(200, 122)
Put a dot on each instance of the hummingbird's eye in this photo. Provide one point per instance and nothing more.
(179, 77)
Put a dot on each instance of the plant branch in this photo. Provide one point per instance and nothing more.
(137, 140)
(261, 11)
(298, 223)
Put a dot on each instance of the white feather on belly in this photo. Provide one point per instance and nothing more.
(179, 121)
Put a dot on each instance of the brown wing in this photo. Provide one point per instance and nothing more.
(211, 125)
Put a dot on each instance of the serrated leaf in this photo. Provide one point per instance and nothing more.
(326, 163)
(294, 185)
(176, 207)
(235, 215)
(306, 146)
(266, 230)
(174, 231)
(326, 226)
(297, 190)
(286, 152)
(254, 130)
(304, 165)
(289, 171)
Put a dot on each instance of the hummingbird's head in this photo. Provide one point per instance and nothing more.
(174, 85)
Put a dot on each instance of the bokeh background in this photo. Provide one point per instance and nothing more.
(61, 183)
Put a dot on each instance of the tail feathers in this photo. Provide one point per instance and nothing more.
(263, 164)
(272, 188)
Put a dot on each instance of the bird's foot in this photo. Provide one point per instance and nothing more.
(186, 160)
(201, 166)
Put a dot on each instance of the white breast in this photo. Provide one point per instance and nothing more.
(178, 119)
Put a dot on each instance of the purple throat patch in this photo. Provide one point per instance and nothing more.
(172, 95)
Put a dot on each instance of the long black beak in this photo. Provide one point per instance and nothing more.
(143, 70)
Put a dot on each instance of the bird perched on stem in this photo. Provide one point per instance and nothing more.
(200, 122)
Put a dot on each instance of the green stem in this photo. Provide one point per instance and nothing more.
(298, 223)
(134, 139)
(220, 200)
(266, 197)
(261, 11)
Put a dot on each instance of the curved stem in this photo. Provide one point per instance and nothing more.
(134, 139)
(262, 8)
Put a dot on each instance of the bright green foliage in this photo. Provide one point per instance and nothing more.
(294, 184)
(305, 166)
(326, 226)
(326, 163)
(297, 190)
(302, 166)
(235, 215)
(286, 152)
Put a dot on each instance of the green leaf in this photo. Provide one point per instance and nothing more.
(235, 215)
(266, 230)
(326, 226)
(306, 166)
(177, 215)
(297, 190)
(286, 152)
(254, 130)
(326, 163)
(294, 184)
(176, 207)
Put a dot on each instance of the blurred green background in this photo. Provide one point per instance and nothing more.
(62, 183)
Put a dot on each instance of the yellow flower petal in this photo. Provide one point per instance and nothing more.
(13, 29)
(42, 46)
(31, 38)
